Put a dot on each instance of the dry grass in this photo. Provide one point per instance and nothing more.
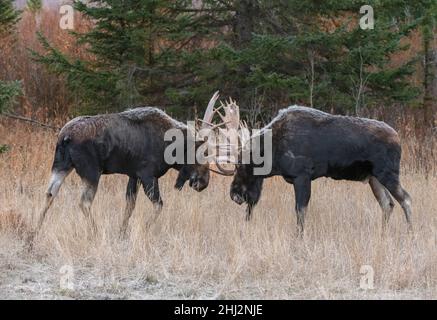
(200, 246)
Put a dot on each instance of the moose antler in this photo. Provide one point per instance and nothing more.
(228, 131)
(231, 119)
(232, 114)
(209, 112)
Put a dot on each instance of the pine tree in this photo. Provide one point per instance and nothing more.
(34, 5)
(423, 15)
(9, 91)
(428, 27)
(265, 53)
(313, 53)
(139, 49)
(9, 16)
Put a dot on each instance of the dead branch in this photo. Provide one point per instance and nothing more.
(25, 119)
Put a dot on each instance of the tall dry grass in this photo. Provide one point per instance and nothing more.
(200, 246)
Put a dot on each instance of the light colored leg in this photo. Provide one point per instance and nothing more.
(157, 208)
(406, 206)
(384, 199)
(55, 183)
(404, 200)
(300, 213)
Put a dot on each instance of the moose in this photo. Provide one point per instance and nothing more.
(308, 144)
(130, 143)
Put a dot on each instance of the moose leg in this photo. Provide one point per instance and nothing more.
(384, 199)
(249, 210)
(404, 200)
(151, 189)
(302, 192)
(88, 193)
(393, 185)
(131, 198)
(55, 183)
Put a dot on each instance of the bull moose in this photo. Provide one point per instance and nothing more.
(130, 143)
(308, 144)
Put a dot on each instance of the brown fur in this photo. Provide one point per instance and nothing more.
(84, 128)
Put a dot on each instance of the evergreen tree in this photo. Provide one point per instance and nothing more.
(9, 16)
(9, 90)
(34, 5)
(138, 47)
(265, 54)
(426, 11)
(312, 53)
(423, 15)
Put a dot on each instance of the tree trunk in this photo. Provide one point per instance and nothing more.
(246, 12)
(245, 15)
(430, 77)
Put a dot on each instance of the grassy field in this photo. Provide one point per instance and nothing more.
(200, 246)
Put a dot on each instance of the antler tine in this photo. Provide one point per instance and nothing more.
(222, 106)
(220, 115)
(243, 125)
(243, 135)
(227, 118)
(234, 114)
(204, 122)
(219, 125)
(209, 112)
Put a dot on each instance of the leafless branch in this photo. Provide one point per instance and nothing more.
(25, 119)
